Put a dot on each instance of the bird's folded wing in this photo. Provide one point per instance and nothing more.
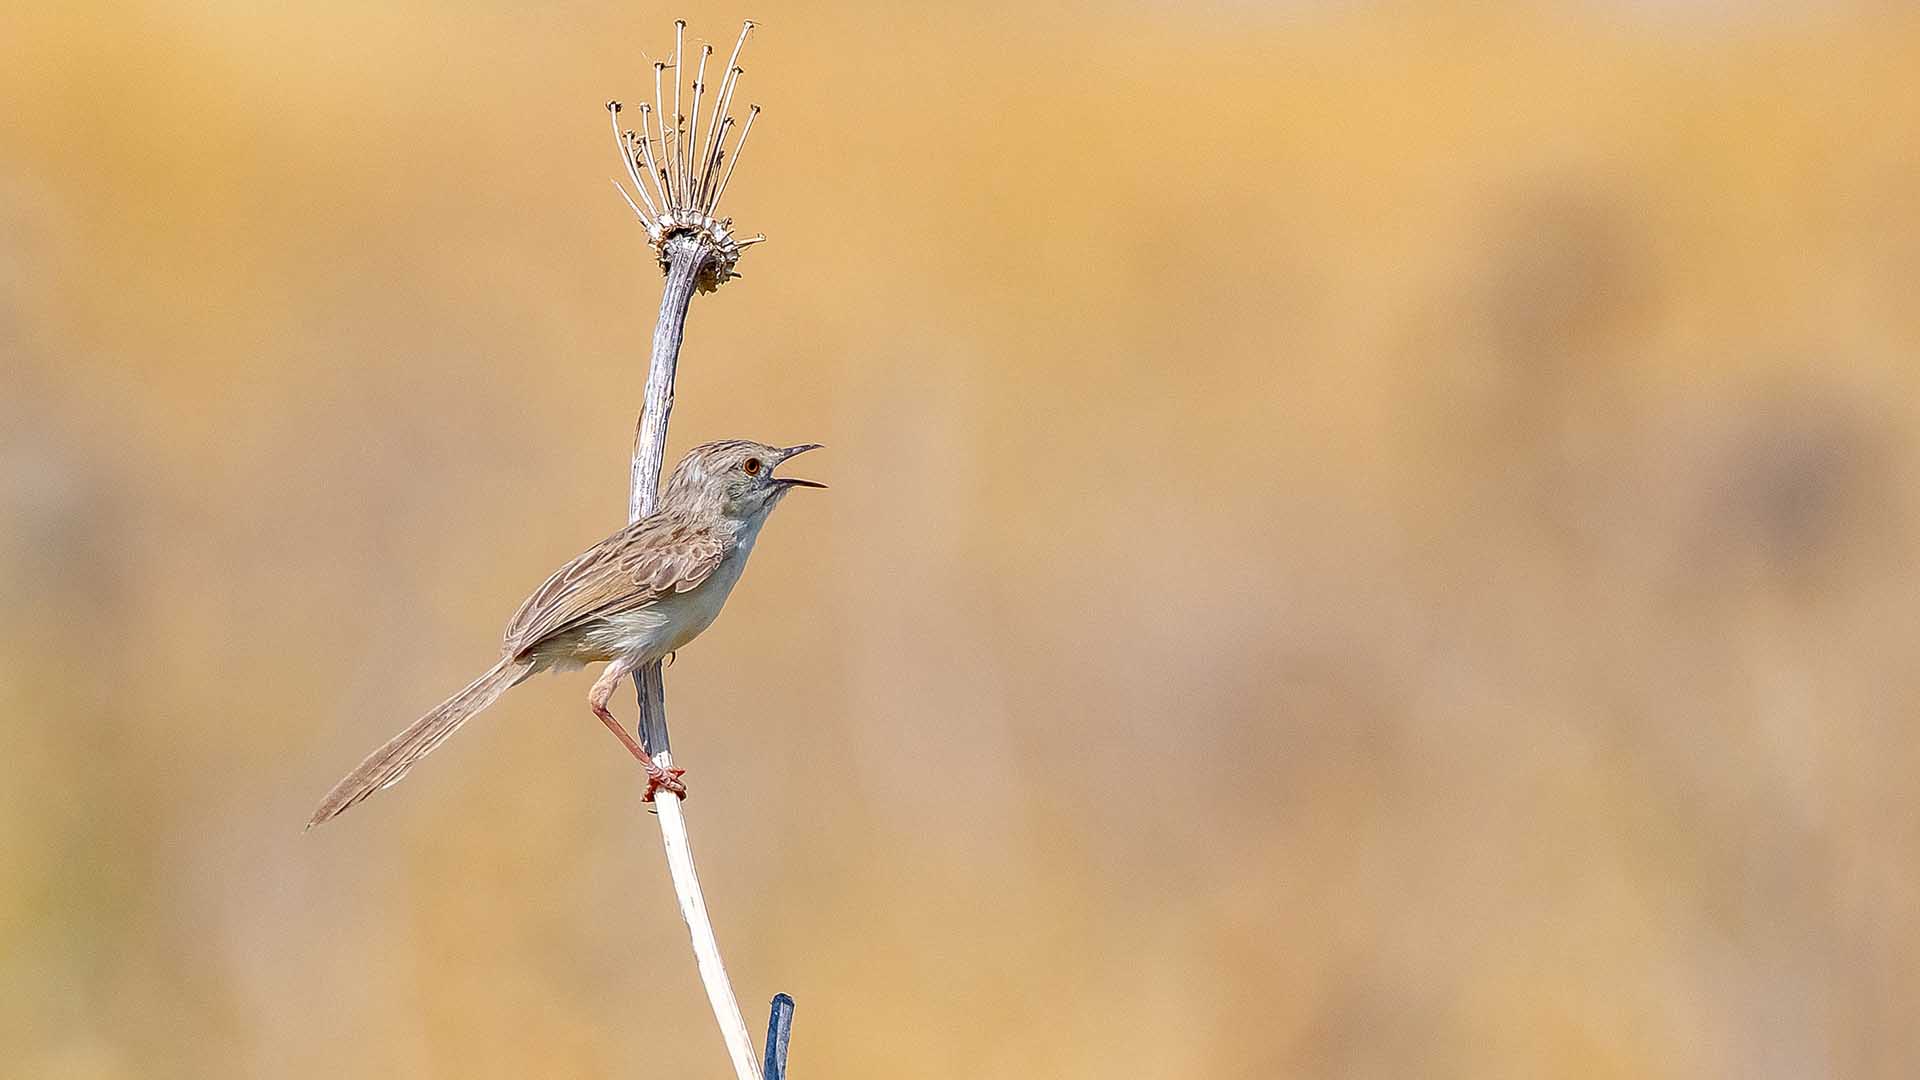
(631, 569)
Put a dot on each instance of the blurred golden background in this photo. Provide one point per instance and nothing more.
(1366, 540)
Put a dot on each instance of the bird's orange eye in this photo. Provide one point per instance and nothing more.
(752, 466)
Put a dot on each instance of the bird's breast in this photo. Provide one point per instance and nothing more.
(667, 624)
(690, 612)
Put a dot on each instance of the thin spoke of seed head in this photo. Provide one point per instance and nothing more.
(646, 148)
(720, 103)
(709, 174)
(756, 238)
(745, 130)
(621, 141)
(625, 145)
(630, 151)
(724, 106)
(688, 128)
(659, 69)
(705, 153)
(662, 165)
(639, 185)
(679, 35)
(690, 161)
(686, 168)
(635, 144)
(622, 189)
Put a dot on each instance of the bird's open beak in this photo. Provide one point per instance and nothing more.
(791, 451)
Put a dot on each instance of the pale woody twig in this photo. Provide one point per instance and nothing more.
(698, 252)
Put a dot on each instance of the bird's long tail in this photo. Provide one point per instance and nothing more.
(385, 766)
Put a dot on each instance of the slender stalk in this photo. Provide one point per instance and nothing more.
(686, 257)
(698, 254)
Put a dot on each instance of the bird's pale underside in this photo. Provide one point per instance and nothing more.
(629, 600)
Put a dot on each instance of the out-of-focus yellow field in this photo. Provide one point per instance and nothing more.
(1366, 541)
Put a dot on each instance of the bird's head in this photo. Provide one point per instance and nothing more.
(734, 478)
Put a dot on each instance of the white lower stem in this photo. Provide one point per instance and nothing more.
(706, 948)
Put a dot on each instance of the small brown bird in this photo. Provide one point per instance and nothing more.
(627, 601)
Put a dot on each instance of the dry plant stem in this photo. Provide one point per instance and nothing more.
(698, 253)
(686, 257)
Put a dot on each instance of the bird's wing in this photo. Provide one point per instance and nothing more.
(631, 569)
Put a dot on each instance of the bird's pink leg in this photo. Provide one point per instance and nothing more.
(658, 779)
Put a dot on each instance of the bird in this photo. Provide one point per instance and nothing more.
(630, 600)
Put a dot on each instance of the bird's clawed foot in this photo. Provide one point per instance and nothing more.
(659, 779)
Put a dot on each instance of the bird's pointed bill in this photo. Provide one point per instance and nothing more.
(793, 451)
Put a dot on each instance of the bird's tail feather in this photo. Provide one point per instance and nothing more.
(385, 766)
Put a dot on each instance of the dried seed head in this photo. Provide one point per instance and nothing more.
(690, 173)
